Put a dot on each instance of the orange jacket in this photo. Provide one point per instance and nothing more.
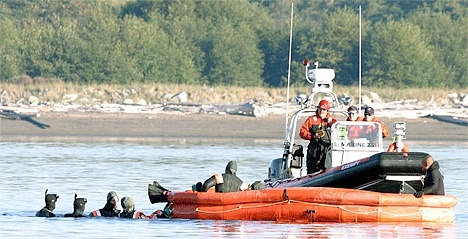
(393, 148)
(359, 118)
(354, 130)
(384, 127)
(315, 120)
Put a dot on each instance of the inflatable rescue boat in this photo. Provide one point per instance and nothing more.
(360, 183)
(310, 204)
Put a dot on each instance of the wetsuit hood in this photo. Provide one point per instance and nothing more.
(110, 203)
(79, 205)
(434, 166)
(231, 168)
(110, 195)
(128, 205)
(50, 200)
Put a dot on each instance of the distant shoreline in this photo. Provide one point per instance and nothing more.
(183, 128)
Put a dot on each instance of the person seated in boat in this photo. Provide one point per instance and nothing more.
(110, 209)
(353, 130)
(316, 129)
(128, 210)
(434, 180)
(226, 182)
(78, 207)
(397, 144)
(370, 117)
(48, 210)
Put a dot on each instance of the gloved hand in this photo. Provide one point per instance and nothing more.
(197, 187)
(418, 194)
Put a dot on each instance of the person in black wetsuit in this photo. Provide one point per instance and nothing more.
(79, 205)
(434, 180)
(50, 200)
(129, 211)
(226, 182)
(110, 209)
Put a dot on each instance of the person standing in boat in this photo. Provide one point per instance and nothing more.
(434, 180)
(316, 129)
(370, 117)
(226, 182)
(354, 130)
(110, 209)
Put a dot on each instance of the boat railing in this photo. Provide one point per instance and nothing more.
(322, 82)
(293, 155)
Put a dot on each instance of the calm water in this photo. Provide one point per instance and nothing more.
(27, 169)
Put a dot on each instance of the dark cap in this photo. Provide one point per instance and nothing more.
(352, 108)
(369, 111)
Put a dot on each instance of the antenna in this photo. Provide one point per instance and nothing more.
(360, 40)
(289, 70)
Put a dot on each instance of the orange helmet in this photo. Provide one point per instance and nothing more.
(324, 104)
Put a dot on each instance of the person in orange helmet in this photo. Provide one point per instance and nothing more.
(370, 117)
(316, 129)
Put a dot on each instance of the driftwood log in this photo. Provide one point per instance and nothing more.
(12, 115)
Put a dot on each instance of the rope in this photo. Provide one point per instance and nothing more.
(232, 210)
(355, 212)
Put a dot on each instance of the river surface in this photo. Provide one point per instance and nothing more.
(94, 169)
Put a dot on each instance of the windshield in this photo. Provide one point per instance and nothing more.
(356, 135)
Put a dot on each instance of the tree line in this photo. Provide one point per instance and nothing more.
(239, 43)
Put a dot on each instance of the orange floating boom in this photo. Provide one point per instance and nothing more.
(313, 205)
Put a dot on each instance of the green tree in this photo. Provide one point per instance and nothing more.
(444, 35)
(242, 42)
(36, 51)
(179, 20)
(335, 44)
(396, 55)
(10, 59)
(231, 43)
(235, 61)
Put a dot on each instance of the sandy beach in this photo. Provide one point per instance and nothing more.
(191, 128)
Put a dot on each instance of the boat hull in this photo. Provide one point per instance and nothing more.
(364, 171)
(312, 204)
